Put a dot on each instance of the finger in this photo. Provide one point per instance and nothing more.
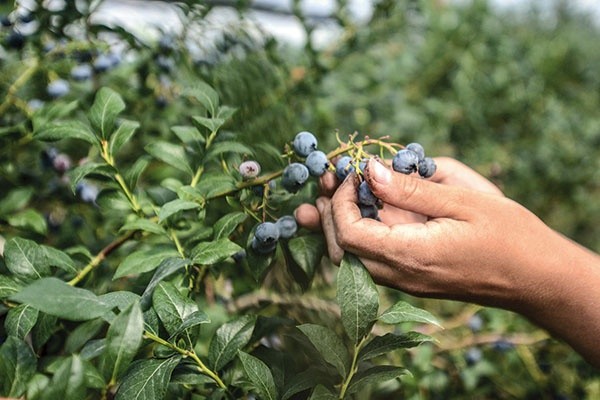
(328, 183)
(418, 195)
(453, 172)
(333, 249)
(308, 217)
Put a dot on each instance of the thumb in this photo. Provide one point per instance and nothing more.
(416, 194)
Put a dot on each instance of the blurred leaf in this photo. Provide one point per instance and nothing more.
(209, 253)
(260, 375)
(108, 104)
(123, 339)
(302, 381)
(18, 364)
(228, 339)
(145, 260)
(374, 375)
(147, 379)
(389, 342)
(212, 186)
(225, 226)
(53, 296)
(68, 382)
(205, 94)
(175, 206)
(15, 200)
(404, 312)
(213, 124)
(53, 111)
(122, 135)
(329, 345)
(172, 154)
(20, 320)
(25, 259)
(322, 393)
(144, 224)
(96, 169)
(226, 112)
(224, 147)
(188, 134)
(54, 131)
(357, 297)
(172, 306)
(30, 220)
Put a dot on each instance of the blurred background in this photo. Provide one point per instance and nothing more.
(510, 88)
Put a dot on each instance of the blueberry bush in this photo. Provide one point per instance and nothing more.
(148, 181)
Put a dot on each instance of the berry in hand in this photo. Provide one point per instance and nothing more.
(344, 167)
(427, 167)
(304, 143)
(249, 169)
(265, 238)
(365, 195)
(405, 161)
(294, 177)
(287, 226)
(417, 148)
(317, 163)
(368, 211)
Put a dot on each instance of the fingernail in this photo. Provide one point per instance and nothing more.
(380, 172)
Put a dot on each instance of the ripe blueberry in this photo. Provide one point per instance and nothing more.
(473, 355)
(259, 190)
(294, 177)
(58, 88)
(365, 195)
(265, 237)
(417, 148)
(87, 192)
(304, 143)
(427, 167)
(81, 72)
(368, 211)
(343, 167)
(317, 163)
(103, 63)
(15, 40)
(287, 226)
(249, 169)
(405, 161)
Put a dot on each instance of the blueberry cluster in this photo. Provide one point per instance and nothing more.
(268, 234)
(412, 159)
(315, 163)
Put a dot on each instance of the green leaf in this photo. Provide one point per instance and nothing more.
(304, 380)
(54, 131)
(205, 94)
(68, 382)
(228, 339)
(329, 345)
(188, 134)
(43, 330)
(209, 253)
(229, 146)
(144, 260)
(175, 206)
(213, 124)
(121, 299)
(95, 169)
(53, 111)
(389, 342)
(194, 319)
(135, 171)
(25, 259)
(15, 200)
(108, 104)
(172, 154)
(8, 286)
(84, 332)
(259, 375)
(226, 112)
(225, 226)
(30, 220)
(357, 297)
(166, 268)
(123, 340)
(143, 224)
(322, 393)
(374, 375)
(55, 297)
(404, 312)
(214, 185)
(147, 379)
(18, 364)
(20, 320)
(172, 306)
(122, 135)
(307, 252)
(58, 258)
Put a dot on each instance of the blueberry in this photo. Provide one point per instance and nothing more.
(502, 345)
(81, 72)
(115, 59)
(249, 169)
(304, 143)
(475, 323)
(61, 163)
(161, 102)
(473, 355)
(35, 104)
(405, 161)
(103, 63)
(15, 40)
(365, 195)
(48, 156)
(317, 163)
(287, 226)
(427, 167)
(294, 177)
(265, 237)
(166, 44)
(87, 192)
(27, 18)
(343, 167)
(239, 256)
(58, 88)
(417, 148)
(259, 190)
(5, 21)
(165, 64)
(368, 211)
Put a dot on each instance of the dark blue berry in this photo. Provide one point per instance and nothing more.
(344, 167)
(304, 143)
(249, 169)
(5, 21)
(294, 177)
(103, 63)
(81, 72)
(265, 237)
(15, 40)
(259, 190)
(166, 44)
(473, 355)
(417, 148)
(502, 345)
(405, 161)
(427, 167)
(27, 18)
(48, 156)
(58, 88)
(317, 163)
(368, 211)
(287, 226)
(365, 195)
(165, 64)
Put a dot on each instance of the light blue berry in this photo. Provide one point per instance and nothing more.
(365, 195)
(81, 72)
(417, 148)
(317, 163)
(304, 143)
(287, 226)
(343, 167)
(58, 88)
(294, 177)
(427, 167)
(405, 161)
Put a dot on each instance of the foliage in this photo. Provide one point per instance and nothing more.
(127, 269)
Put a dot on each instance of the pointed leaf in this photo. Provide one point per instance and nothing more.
(55, 297)
(54, 131)
(95, 169)
(15, 200)
(147, 379)
(30, 220)
(172, 306)
(229, 146)
(25, 259)
(188, 134)
(404, 312)
(213, 124)
(322, 393)
(208, 253)
(123, 340)
(135, 171)
(374, 375)
(20, 320)
(18, 364)
(172, 154)
(206, 95)
(304, 380)
(259, 375)
(122, 135)
(389, 342)
(307, 251)
(144, 260)
(225, 226)
(194, 319)
(329, 345)
(357, 297)
(175, 206)
(166, 268)
(108, 104)
(68, 382)
(228, 339)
